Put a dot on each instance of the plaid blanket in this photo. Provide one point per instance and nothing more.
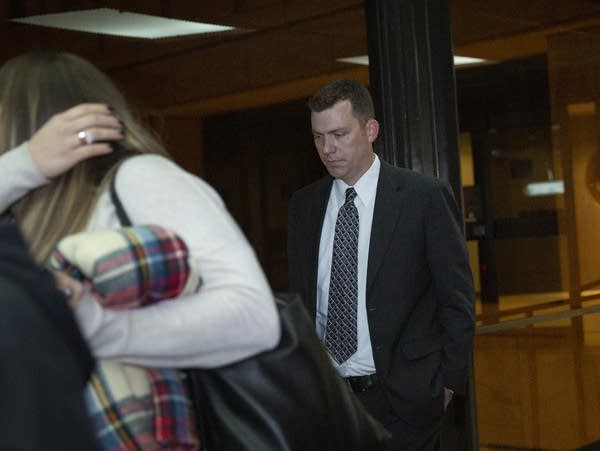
(134, 408)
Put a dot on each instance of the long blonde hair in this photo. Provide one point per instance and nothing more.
(34, 87)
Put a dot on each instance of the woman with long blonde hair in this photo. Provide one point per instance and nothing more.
(232, 317)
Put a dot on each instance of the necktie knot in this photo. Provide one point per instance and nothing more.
(350, 195)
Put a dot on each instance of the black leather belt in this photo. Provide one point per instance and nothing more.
(359, 384)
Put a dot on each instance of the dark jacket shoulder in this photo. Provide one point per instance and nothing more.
(308, 191)
(403, 178)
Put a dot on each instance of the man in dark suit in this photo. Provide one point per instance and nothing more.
(380, 260)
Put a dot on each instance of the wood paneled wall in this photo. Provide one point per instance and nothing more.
(256, 159)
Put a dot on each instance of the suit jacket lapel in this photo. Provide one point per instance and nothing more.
(314, 236)
(385, 217)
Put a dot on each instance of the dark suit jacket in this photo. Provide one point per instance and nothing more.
(419, 293)
(45, 362)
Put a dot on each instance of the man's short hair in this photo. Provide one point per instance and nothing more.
(338, 90)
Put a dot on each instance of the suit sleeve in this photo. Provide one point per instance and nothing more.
(449, 263)
(292, 247)
(47, 362)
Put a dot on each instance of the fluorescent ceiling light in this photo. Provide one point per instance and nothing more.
(545, 188)
(466, 60)
(119, 23)
(364, 60)
(458, 60)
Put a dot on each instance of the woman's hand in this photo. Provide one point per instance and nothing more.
(59, 144)
(72, 288)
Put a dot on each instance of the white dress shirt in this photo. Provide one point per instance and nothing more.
(361, 363)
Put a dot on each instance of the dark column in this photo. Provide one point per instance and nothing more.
(487, 254)
(412, 82)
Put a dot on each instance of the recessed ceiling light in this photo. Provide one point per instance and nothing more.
(458, 60)
(120, 23)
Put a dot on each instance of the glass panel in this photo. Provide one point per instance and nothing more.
(530, 161)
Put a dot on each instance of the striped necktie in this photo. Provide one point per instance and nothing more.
(341, 335)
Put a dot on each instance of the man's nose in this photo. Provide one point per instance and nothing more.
(328, 145)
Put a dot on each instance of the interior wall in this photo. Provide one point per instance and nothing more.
(183, 138)
(256, 159)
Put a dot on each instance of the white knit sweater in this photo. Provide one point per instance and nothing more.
(233, 316)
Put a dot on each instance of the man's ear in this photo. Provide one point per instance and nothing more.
(372, 128)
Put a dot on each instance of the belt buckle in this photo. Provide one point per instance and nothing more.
(360, 384)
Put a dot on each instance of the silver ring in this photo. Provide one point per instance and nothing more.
(85, 138)
(68, 292)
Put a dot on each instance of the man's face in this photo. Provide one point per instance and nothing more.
(345, 145)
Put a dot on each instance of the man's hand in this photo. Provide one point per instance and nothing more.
(448, 394)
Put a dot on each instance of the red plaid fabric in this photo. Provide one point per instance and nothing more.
(131, 268)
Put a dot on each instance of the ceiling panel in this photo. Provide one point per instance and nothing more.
(289, 40)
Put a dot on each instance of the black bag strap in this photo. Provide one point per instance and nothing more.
(121, 213)
(194, 391)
